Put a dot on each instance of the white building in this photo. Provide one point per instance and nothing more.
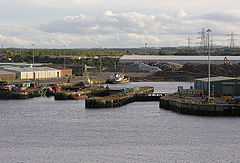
(30, 73)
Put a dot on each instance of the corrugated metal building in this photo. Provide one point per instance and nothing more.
(7, 75)
(30, 73)
(178, 59)
(220, 86)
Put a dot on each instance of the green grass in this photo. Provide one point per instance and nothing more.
(63, 52)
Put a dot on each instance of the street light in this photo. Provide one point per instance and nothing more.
(33, 55)
(209, 64)
(33, 61)
(64, 57)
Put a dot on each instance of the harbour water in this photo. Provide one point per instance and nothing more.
(42, 130)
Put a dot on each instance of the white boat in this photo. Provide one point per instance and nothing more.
(118, 78)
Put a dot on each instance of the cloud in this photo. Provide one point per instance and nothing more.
(120, 29)
(24, 36)
(134, 28)
(191, 5)
(14, 41)
(110, 23)
(58, 3)
(227, 17)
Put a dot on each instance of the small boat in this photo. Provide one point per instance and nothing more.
(78, 96)
(18, 93)
(70, 96)
(118, 78)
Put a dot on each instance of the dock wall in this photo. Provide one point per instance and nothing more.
(109, 103)
(199, 109)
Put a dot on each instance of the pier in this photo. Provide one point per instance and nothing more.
(186, 106)
(123, 98)
(149, 97)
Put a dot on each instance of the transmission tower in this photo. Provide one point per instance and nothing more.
(189, 42)
(203, 40)
(146, 47)
(232, 40)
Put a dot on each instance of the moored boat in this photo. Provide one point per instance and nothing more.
(118, 78)
(70, 96)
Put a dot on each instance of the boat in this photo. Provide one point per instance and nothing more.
(78, 96)
(13, 92)
(70, 96)
(118, 78)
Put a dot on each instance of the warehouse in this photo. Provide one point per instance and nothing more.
(178, 59)
(220, 86)
(7, 75)
(30, 73)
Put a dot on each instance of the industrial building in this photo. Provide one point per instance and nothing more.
(7, 75)
(220, 86)
(30, 73)
(178, 59)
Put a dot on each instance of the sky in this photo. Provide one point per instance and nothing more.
(115, 23)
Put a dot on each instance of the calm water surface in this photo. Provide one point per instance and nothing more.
(42, 130)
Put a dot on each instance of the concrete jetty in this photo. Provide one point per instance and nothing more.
(123, 98)
(185, 106)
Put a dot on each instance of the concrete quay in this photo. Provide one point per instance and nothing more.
(185, 106)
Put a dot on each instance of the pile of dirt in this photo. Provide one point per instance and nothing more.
(189, 72)
(216, 70)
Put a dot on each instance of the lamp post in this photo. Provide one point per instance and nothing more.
(209, 64)
(64, 57)
(33, 61)
(33, 57)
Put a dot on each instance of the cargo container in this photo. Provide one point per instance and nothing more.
(66, 72)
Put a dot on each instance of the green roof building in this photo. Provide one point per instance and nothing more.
(220, 86)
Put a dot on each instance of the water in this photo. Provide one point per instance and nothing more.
(42, 130)
(169, 87)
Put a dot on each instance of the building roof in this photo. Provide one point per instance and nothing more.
(19, 64)
(28, 69)
(177, 58)
(215, 79)
(3, 72)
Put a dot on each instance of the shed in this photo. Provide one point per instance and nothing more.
(220, 86)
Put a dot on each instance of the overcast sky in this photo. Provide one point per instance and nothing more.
(114, 23)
